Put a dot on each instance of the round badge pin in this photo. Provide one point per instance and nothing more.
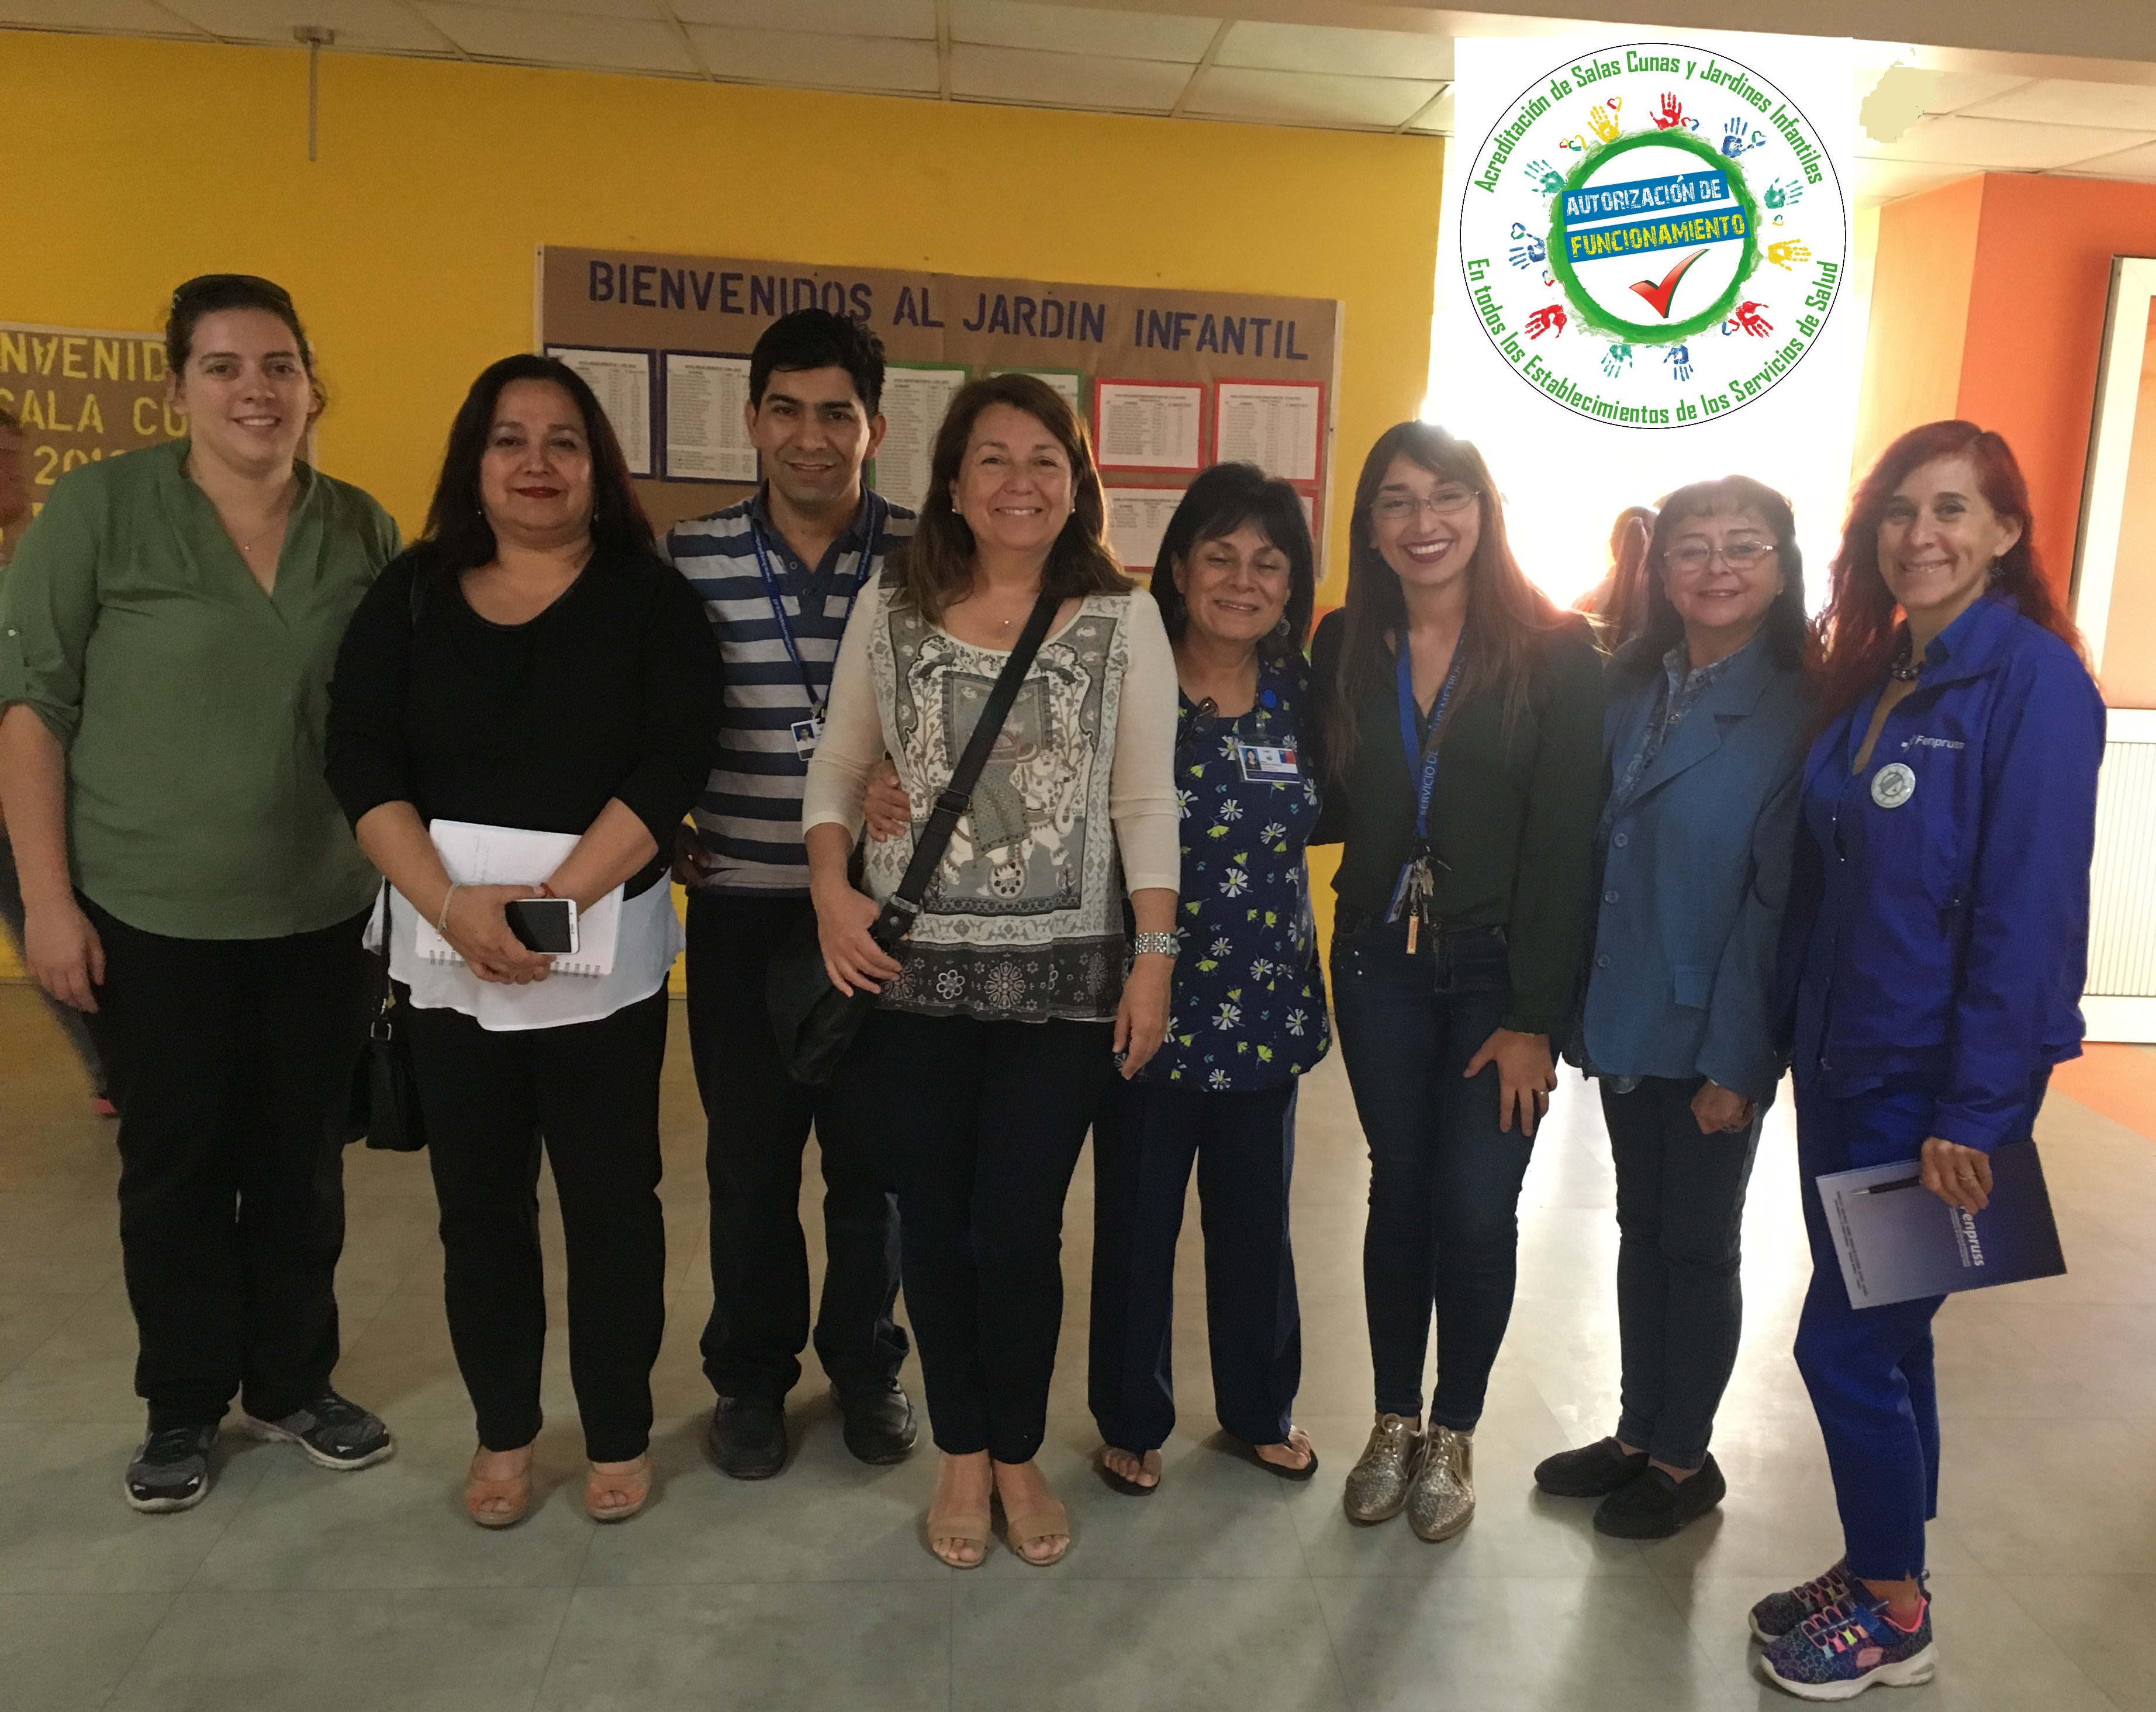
(1893, 785)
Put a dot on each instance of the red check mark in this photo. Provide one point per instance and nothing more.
(1659, 296)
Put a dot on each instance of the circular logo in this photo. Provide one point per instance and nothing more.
(1893, 785)
(1653, 236)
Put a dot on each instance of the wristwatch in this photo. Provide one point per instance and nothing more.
(1161, 944)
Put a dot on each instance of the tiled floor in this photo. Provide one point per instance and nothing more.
(371, 1593)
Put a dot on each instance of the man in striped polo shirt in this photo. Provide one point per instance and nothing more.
(779, 574)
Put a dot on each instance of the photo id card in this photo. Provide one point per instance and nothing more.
(1266, 764)
(807, 734)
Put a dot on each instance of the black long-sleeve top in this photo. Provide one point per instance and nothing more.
(1512, 821)
(614, 690)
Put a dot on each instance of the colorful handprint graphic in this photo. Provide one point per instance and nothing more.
(1601, 119)
(1787, 252)
(1616, 360)
(1749, 320)
(1544, 176)
(1527, 253)
(1678, 358)
(1738, 137)
(1549, 319)
(1671, 116)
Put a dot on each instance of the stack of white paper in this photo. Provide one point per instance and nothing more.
(510, 856)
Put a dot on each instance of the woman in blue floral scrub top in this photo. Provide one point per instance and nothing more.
(1236, 583)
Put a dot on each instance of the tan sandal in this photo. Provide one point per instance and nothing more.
(1025, 1528)
(632, 1486)
(516, 1491)
(960, 1527)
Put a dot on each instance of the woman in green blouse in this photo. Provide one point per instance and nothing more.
(167, 633)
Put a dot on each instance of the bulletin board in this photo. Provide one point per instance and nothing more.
(1168, 381)
(82, 397)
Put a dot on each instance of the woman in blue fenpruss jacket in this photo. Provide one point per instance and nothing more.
(1705, 736)
(1936, 940)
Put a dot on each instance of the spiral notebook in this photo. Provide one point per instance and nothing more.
(512, 856)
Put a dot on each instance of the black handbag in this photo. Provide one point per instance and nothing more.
(385, 1085)
(816, 1023)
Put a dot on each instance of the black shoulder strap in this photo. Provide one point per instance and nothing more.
(904, 903)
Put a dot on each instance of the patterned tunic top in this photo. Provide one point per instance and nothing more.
(1249, 1007)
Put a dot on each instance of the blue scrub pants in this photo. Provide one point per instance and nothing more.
(1869, 1370)
(1145, 1138)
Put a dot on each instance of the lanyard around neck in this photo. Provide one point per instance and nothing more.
(872, 528)
(1413, 745)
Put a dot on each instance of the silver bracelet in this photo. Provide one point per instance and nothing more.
(1159, 944)
(442, 921)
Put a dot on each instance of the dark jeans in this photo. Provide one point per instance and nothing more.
(1679, 1306)
(1145, 1139)
(240, 1055)
(591, 1089)
(758, 1121)
(79, 1027)
(984, 1121)
(1445, 1181)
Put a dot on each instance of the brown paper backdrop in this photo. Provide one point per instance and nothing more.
(616, 299)
(82, 397)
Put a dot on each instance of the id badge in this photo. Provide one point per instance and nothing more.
(807, 734)
(1266, 764)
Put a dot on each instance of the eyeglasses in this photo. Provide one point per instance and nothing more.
(1737, 555)
(1445, 502)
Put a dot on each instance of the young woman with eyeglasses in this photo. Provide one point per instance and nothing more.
(1462, 756)
(169, 625)
(1705, 738)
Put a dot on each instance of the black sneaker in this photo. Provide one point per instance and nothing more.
(747, 1437)
(171, 1470)
(1778, 1613)
(879, 1424)
(1593, 1471)
(1654, 1506)
(334, 1432)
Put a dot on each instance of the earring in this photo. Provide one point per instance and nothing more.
(1280, 628)
(1998, 571)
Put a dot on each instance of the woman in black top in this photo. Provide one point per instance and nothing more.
(1462, 745)
(531, 664)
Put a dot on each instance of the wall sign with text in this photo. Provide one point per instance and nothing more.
(82, 397)
(1652, 234)
(1168, 381)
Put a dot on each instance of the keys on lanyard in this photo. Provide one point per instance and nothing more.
(808, 732)
(1415, 892)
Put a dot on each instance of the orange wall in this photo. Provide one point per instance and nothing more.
(1925, 264)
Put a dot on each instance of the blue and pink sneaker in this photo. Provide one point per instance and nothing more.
(1845, 1650)
(1778, 1613)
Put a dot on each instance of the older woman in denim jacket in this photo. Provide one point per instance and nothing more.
(1705, 736)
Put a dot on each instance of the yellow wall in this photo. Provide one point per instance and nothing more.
(409, 244)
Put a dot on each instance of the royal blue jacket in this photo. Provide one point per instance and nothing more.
(1682, 981)
(1938, 915)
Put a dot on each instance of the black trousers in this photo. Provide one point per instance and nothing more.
(239, 1055)
(1145, 1139)
(758, 1120)
(984, 1121)
(1680, 1302)
(591, 1091)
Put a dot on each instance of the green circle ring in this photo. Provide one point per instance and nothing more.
(1665, 333)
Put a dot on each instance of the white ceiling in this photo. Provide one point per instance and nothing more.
(1045, 53)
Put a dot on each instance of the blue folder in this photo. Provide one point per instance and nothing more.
(1898, 1241)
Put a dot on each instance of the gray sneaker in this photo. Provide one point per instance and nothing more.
(1442, 1500)
(1378, 1485)
(171, 1470)
(334, 1432)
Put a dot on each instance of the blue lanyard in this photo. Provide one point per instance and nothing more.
(872, 526)
(1425, 771)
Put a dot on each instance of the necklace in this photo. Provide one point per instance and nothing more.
(1902, 668)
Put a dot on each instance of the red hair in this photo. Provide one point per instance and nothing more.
(1856, 630)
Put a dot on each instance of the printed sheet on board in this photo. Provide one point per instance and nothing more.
(1169, 380)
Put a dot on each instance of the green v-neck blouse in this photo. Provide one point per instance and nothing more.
(191, 704)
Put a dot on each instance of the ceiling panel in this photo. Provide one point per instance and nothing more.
(383, 24)
(818, 61)
(1954, 91)
(1883, 181)
(586, 8)
(2000, 144)
(132, 18)
(2122, 106)
(1081, 29)
(1351, 53)
(559, 39)
(1065, 80)
(1287, 98)
(1438, 119)
(914, 20)
(2134, 163)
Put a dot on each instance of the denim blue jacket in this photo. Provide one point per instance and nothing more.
(1682, 981)
(1939, 920)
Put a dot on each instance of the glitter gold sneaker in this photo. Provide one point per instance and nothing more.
(1378, 1484)
(1441, 1499)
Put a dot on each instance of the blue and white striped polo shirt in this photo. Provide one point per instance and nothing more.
(749, 816)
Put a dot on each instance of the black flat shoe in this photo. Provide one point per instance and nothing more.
(747, 1437)
(1654, 1506)
(1248, 1454)
(879, 1425)
(1593, 1471)
(1118, 1482)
